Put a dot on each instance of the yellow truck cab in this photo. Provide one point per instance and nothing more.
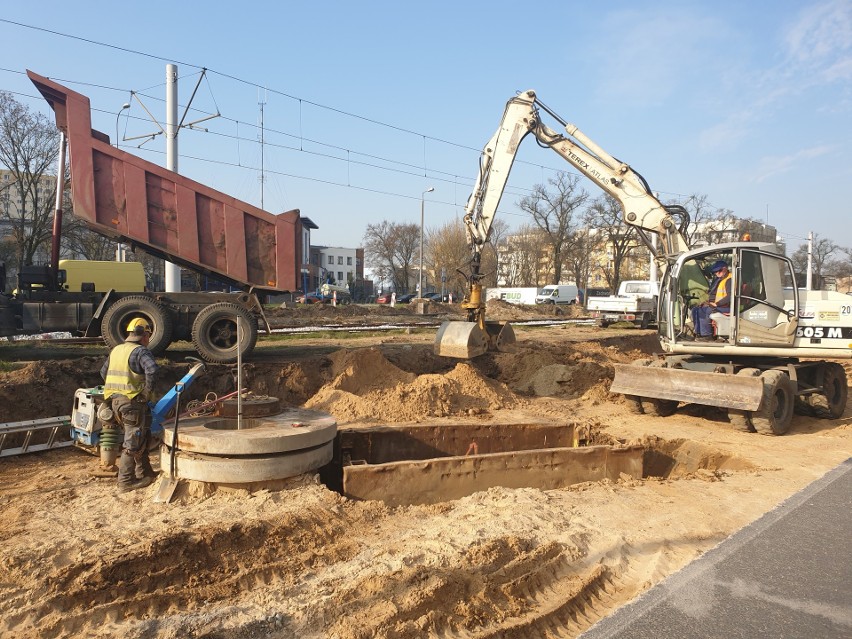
(101, 276)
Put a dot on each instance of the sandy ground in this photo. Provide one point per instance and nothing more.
(78, 560)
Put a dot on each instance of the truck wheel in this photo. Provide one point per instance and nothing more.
(832, 402)
(123, 311)
(646, 320)
(603, 323)
(214, 332)
(741, 419)
(775, 413)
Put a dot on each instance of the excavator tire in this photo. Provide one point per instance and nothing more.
(741, 419)
(775, 413)
(214, 332)
(655, 406)
(634, 402)
(123, 311)
(831, 403)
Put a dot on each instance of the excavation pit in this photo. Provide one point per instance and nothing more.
(424, 464)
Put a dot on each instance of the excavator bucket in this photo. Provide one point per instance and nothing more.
(501, 336)
(681, 385)
(463, 340)
(466, 340)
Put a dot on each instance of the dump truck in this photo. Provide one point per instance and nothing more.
(769, 353)
(140, 204)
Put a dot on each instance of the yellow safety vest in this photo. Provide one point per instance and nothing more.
(120, 379)
(720, 290)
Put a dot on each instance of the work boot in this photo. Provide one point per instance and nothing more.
(147, 470)
(139, 483)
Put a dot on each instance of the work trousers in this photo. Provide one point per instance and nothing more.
(135, 417)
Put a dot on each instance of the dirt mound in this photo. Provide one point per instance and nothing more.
(45, 388)
(501, 310)
(368, 388)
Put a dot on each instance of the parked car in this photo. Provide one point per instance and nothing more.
(384, 298)
(405, 299)
(433, 297)
(310, 298)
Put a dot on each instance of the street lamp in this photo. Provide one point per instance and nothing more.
(422, 207)
(124, 106)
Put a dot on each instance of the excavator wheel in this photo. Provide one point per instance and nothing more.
(634, 402)
(741, 419)
(655, 406)
(831, 403)
(775, 413)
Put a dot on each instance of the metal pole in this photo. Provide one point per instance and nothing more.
(172, 270)
(422, 208)
(239, 375)
(57, 213)
(809, 274)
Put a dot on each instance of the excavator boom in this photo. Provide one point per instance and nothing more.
(641, 209)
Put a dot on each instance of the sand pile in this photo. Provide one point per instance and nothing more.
(367, 387)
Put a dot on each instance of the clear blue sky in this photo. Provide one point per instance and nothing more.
(371, 103)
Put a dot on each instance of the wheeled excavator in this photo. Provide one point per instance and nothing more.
(767, 356)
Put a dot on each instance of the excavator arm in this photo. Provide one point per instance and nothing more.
(641, 209)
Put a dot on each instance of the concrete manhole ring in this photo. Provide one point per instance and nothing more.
(244, 470)
(291, 430)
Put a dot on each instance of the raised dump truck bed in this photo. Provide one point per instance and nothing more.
(122, 196)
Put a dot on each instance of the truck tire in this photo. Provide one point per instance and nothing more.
(741, 419)
(645, 321)
(214, 332)
(775, 413)
(831, 403)
(120, 314)
(602, 323)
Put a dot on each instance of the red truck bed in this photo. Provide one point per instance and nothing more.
(122, 196)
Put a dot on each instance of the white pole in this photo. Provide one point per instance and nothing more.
(172, 270)
(422, 207)
(809, 275)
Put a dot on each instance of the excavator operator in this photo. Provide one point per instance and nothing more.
(718, 300)
(129, 375)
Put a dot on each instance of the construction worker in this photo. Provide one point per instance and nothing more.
(718, 301)
(129, 374)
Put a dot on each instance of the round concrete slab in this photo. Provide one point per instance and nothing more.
(252, 407)
(244, 470)
(292, 429)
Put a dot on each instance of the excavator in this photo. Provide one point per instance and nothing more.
(767, 356)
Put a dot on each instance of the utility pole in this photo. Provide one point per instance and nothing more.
(172, 270)
(809, 274)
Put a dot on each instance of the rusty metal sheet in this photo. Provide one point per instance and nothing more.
(381, 444)
(437, 480)
(124, 197)
(710, 389)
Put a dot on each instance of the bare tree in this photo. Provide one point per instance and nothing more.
(578, 261)
(606, 220)
(29, 147)
(449, 252)
(822, 249)
(526, 260)
(391, 250)
(491, 259)
(554, 213)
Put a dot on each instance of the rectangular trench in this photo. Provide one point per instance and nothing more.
(426, 464)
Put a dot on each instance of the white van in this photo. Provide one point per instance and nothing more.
(557, 294)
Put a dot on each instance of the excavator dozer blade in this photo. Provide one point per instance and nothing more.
(712, 389)
(462, 340)
(501, 336)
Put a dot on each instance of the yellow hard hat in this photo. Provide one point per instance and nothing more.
(139, 326)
